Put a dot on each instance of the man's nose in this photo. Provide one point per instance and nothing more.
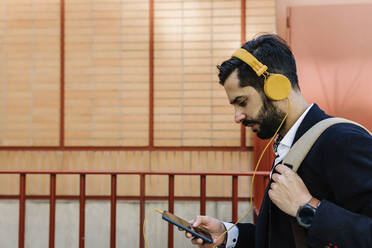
(239, 117)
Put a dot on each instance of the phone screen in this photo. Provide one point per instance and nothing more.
(196, 232)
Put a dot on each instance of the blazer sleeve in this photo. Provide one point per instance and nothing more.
(347, 160)
(246, 235)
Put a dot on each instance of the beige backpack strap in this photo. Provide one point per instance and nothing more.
(299, 150)
(296, 155)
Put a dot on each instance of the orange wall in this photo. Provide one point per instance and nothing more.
(282, 6)
(333, 53)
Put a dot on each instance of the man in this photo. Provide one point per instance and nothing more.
(334, 180)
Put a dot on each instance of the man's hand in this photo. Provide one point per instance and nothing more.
(213, 226)
(287, 190)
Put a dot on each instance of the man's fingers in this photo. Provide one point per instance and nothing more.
(281, 168)
(197, 241)
(193, 241)
(273, 186)
(198, 220)
(275, 177)
(188, 235)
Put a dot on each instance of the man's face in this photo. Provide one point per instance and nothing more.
(252, 109)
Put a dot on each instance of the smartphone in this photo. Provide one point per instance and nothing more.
(195, 231)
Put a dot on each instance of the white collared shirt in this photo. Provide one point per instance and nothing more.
(281, 151)
(287, 141)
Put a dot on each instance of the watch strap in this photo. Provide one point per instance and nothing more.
(313, 202)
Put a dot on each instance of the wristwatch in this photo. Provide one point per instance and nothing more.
(305, 214)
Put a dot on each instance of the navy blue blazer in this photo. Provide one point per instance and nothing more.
(338, 171)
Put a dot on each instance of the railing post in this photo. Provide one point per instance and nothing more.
(171, 209)
(142, 208)
(203, 194)
(113, 212)
(235, 198)
(52, 209)
(82, 212)
(22, 210)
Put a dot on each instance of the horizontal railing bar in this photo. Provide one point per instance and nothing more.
(101, 172)
(127, 148)
(126, 198)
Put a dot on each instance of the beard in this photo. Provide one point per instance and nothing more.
(268, 118)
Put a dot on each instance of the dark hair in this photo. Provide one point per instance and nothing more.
(272, 51)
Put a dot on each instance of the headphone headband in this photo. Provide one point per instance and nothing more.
(249, 59)
(276, 86)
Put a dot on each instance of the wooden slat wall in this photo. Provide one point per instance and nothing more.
(260, 17)
(107, 90)
(29, 80)
(107, 69)
(191, 38)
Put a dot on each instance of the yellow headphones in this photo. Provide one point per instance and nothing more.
(276, 87)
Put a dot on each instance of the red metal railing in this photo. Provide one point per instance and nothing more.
(113, 198)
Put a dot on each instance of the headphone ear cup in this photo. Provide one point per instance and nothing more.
(277, 87)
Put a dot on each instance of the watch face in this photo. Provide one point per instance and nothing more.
(305, 216)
